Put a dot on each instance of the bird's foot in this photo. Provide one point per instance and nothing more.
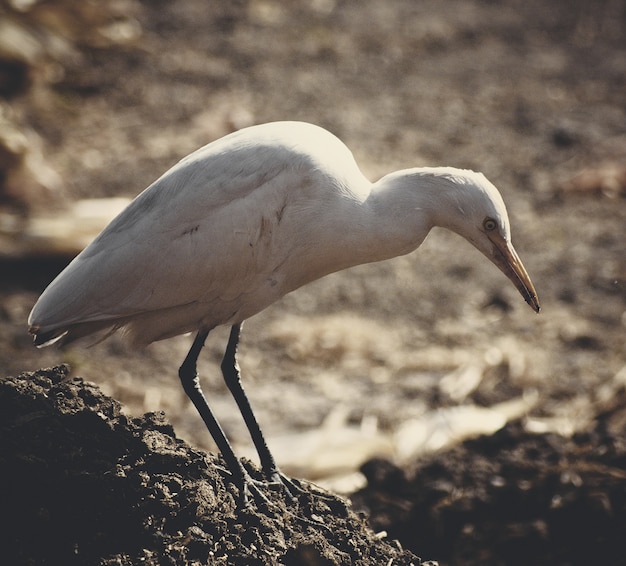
(294, 488)
(280, 482)
(307, 498)
(251, 491)
(254, 493)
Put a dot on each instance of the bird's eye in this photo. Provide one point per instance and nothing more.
(489, 224)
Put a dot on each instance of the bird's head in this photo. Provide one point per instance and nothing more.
(473, 208)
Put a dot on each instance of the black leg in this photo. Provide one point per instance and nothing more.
(188, 374)
(230, 370)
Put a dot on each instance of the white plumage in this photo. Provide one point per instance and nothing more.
(239, 223)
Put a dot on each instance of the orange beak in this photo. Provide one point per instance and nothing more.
(506, 258)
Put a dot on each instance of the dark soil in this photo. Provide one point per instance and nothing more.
(83, 484)
(80, 483)
(512, 498)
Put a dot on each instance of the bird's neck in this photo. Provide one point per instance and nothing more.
(402, 212)
(386, 219)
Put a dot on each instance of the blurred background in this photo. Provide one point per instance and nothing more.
(97, 99)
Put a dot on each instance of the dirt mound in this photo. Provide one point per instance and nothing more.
(83, 484)
(510, 498)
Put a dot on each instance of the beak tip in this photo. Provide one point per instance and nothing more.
(534, 304)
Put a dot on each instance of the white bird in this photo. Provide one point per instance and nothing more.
(243, 221)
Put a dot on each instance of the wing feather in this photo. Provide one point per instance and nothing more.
(189, 237)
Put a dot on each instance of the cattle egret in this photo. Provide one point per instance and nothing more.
(240, 223)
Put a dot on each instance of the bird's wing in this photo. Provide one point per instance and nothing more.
(192, 236)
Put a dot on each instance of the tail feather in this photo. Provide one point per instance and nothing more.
(64, 335)
(42, 339)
